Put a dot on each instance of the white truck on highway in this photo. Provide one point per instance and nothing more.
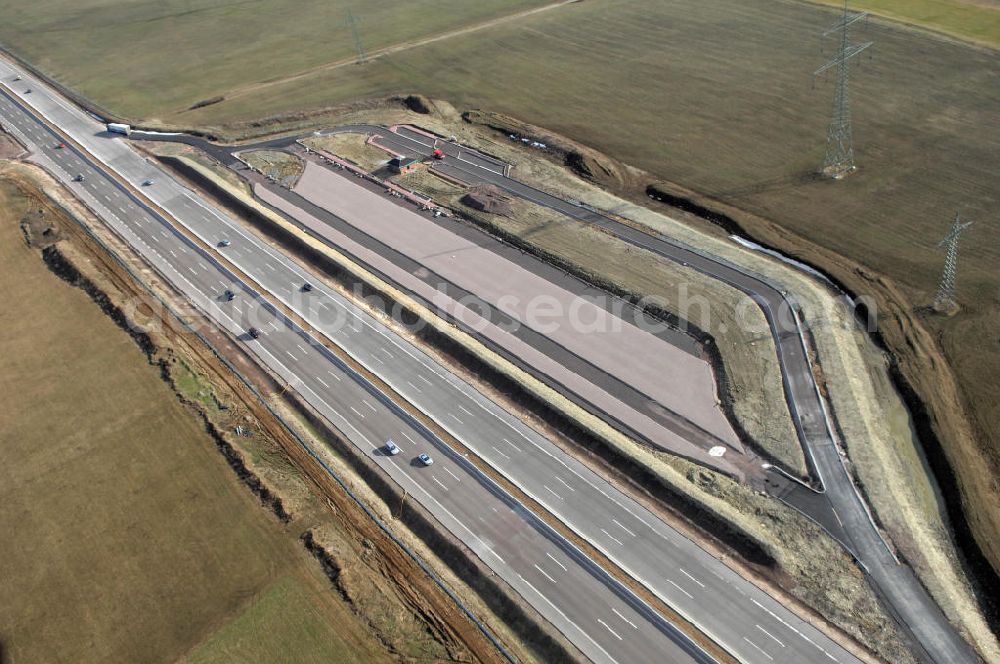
(119, 128)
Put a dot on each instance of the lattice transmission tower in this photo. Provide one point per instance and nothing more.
(945, 298)
(839, 159)
(353, 23)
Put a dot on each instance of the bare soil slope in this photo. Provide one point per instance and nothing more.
(720, 98)
(126, 535)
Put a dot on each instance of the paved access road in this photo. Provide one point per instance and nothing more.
(594, 612)
(603, 620)
(591, 344)
(936, 638)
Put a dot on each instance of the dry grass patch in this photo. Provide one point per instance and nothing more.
(287, 617)
(424, 181)
(283, 167)
(352, 147)
(9, 148)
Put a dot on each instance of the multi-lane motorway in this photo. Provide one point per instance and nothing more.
(598, 615)
(936, 639)
(838, 506)
(602, 619)
(605, 622)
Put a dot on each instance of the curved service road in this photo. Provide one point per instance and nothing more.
(735, 613)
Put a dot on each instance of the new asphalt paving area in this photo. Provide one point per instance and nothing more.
(596, 347)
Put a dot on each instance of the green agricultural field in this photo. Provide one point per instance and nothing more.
(286, 618)
(152, 59)
(972, 20)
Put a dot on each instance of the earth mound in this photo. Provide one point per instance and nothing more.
(418, 104)
(488, 198)
(582, 160)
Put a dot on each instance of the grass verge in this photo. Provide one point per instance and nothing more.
(283, 167)
(352, 147)
(729, 511)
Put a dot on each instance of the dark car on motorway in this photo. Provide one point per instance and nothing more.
(254, 332)
(229, 295)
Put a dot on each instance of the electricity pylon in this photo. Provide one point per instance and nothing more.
(839, 159)
(945, 298)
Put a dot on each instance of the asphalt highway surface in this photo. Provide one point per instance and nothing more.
(599, 616)
(606, 622)
(936, 639)
(466, 273)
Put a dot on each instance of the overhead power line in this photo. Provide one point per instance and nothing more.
(945, 298)
(839, 160)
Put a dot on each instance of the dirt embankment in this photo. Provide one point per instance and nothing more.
(589, 164)
(402, 605)
(9, 148)
(277, 166)
(961, 457)
(965, 466)
(692, 498)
